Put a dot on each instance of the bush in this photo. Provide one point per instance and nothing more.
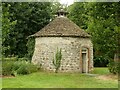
(7, 64)
(114, 67)
(7, 68)
(26, 68)
(23, 69)
(11, 67)
(16, 65)
(32, 68)
(30, 47)
(100, 61)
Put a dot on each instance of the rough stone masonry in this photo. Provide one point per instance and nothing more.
(77, 48)
(45, 48)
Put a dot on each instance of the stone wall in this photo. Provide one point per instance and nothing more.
(45, 49)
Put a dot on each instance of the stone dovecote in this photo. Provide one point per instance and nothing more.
(77, 48)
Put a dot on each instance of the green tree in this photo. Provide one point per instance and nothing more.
(102, 21)
(7, 27)
(77, 13)
(30, 17)
(103, 25)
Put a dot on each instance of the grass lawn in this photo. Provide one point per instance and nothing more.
(60, 80)
(100, 71)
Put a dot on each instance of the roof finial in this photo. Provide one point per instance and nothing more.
(61, 12)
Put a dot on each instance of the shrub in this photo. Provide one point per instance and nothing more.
(100, 61)
(114, 67)
(57, 60)
(32, 68)
(11, 67)
(23, 67)
(30, 47)
(16, 65)
(7, 67)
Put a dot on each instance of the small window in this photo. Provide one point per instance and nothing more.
(84, 50)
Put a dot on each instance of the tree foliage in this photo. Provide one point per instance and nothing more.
(7, 28)
(30, 48)
(77, 13)
(101, 20)
(21, 19)
(27, 18)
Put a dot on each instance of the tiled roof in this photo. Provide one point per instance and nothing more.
(60, 27)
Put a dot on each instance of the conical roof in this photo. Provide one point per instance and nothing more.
(61, 27)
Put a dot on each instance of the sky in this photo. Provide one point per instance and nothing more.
(68, 2)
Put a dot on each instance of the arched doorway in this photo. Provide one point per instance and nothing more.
(84, 58)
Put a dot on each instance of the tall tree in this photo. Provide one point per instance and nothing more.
(101, 20)
(104, 26)
(7, 27)
(30, 17)
(77, 13)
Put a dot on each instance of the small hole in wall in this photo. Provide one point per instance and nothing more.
(72, 42)
(50, 68)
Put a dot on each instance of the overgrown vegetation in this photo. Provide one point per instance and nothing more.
(16, 66)
(100, 61)
(114, 67)
(57, 59)
(30, 47)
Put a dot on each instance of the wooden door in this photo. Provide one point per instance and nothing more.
(84, 60)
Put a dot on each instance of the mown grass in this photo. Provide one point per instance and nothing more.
(59, 80)
(100, 71)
